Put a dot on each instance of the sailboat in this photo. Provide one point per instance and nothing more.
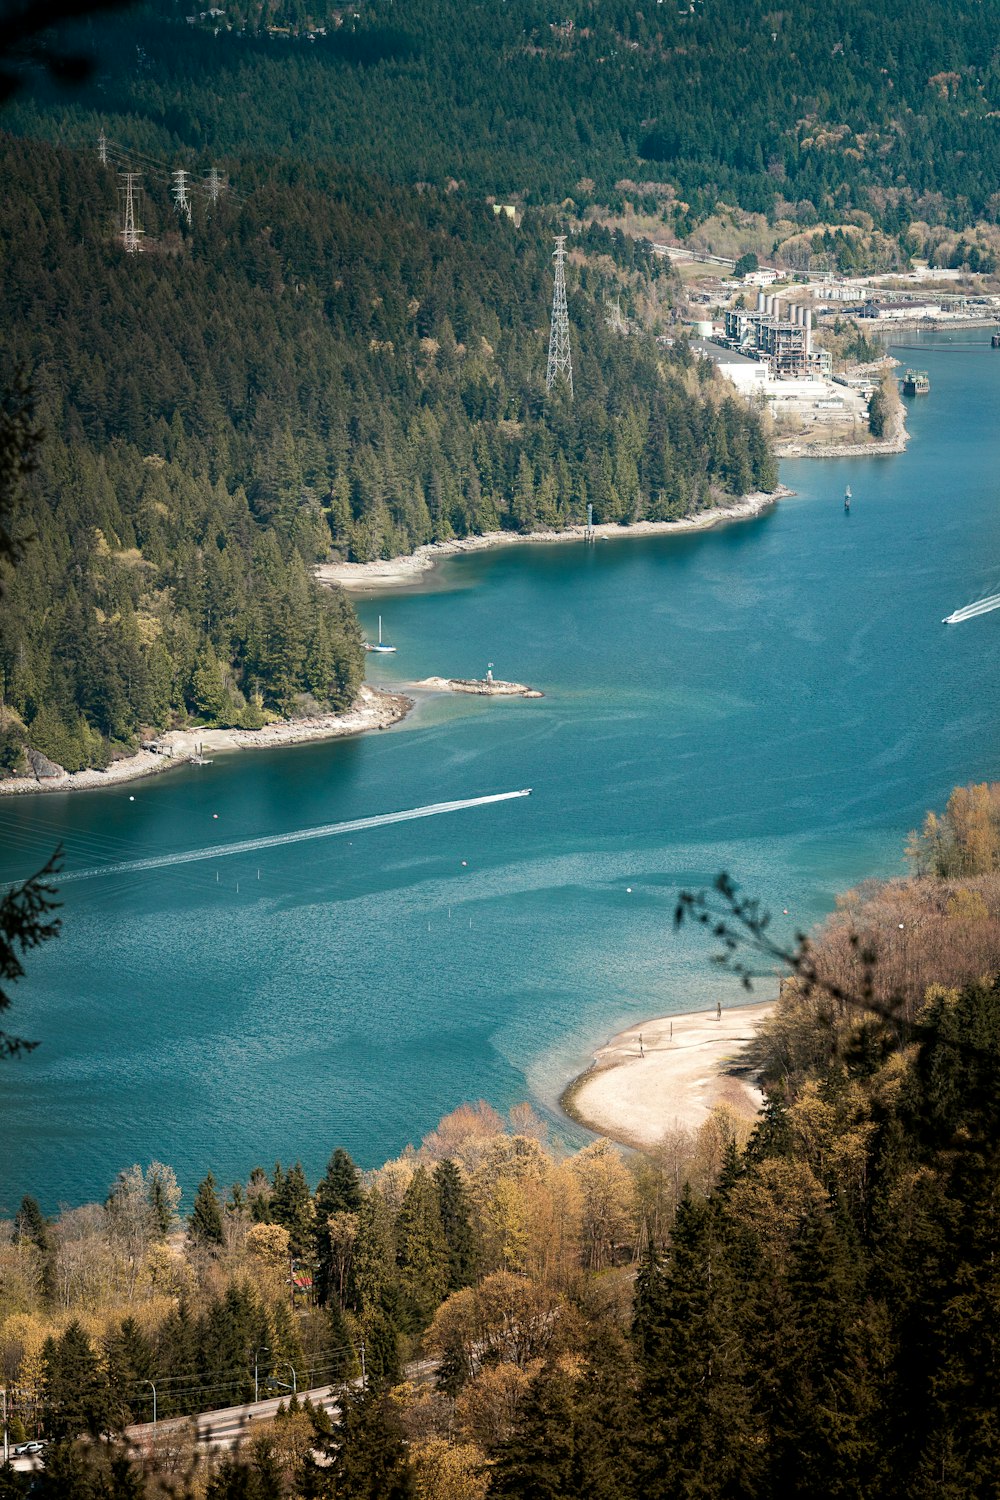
(847, 498)
(381, 646)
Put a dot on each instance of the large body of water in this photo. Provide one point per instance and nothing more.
(779, 699)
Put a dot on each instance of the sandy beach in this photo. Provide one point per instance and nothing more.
(683, 1067)
(372, 709)
(406, 572)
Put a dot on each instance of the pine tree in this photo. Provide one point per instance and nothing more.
(422, 1253)
(371, 1462)
(456, 1224)
(205, 1222)
(694, 1399)
(292, 1208)
(339, 1192)
(75, 1395)
(131, 1362)
(383, 1367)
(540, 1460)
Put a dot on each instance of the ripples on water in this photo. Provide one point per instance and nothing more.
(778, 699)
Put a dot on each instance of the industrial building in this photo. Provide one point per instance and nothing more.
(782, 339)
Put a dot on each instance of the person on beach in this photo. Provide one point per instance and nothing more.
(641, 1052)
(718, 1010)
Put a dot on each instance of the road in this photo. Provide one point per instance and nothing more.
(216, 1429)
(224, 1427)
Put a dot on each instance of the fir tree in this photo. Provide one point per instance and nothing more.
(422, 1253)
(205, 1222)
(292, 1207)
(456, 1224)
(371, 1461)
(75, 1394)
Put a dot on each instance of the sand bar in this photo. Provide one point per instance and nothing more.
(372, 709)
(636, 1093)
(406, 572)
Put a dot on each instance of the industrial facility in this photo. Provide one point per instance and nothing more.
(782, 339)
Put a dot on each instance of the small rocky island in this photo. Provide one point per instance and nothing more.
(488, 686)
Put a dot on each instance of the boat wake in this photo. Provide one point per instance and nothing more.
(279, 840)
(969, 611)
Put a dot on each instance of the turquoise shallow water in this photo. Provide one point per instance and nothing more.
(779, 699)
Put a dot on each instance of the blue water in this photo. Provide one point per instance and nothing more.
(778, 698)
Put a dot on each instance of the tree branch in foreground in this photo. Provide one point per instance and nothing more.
(741, 925)
(25, 923)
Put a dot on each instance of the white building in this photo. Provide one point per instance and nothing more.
(748, 375)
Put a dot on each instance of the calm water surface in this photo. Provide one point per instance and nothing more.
(778, 699)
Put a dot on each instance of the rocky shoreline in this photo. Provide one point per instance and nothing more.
(841, 450)
(410, 570)
(374, 708)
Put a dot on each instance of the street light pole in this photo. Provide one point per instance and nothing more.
(6, 1443)
(295, 1384)
(261, 1349)
(152, 1387)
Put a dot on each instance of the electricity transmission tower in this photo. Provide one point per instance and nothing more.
(213, 184)
(560, 358)
(102, 148)
(129, 194)
(179, 192)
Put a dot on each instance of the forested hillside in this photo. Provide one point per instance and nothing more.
(320, 363)
(808, 1311)
(818, 108)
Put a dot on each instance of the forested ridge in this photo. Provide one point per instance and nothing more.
(326, 363)
(821, 108)
(807, 1309)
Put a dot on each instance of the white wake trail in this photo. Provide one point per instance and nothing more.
(279, 840)
(969, 611)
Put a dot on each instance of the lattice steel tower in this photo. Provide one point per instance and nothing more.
(180, 194)
(560, 358)
(130, 193)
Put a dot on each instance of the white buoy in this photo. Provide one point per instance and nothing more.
(131, 799)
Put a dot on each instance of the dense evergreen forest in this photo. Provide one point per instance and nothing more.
(321, 362)
(808, 1309)
(821, 108)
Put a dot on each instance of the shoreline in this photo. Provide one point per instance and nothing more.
(410, 569)
(374, 708)
(793, 449)
(688, 1065)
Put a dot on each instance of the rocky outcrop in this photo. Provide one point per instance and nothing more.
(42, 768)
(487, 687)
